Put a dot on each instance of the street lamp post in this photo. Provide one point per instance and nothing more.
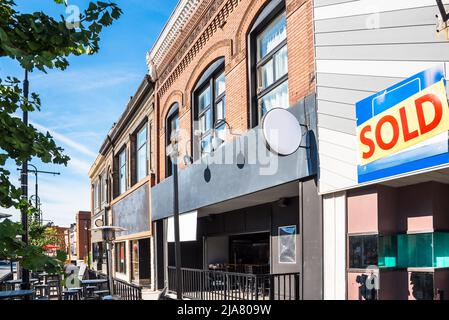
(24, 186)
(36, 186)
(174, 154)
(108, 233)
(87, 246)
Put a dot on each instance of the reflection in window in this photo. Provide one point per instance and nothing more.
(388, 251)
(172, 128)
(424, 250)
(362, 251)
(372, 250)
(142, 158)
(210, 106)
(120, 257)
(122, 171)
(104, 188)
(272, 66)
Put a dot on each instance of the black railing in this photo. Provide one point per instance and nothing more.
(3, 279)
(219, 285)
(126, 290)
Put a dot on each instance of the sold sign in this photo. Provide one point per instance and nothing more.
(411, 121)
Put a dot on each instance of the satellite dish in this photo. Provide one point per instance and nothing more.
(282, 131)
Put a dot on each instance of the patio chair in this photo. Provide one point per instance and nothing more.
(55, 289)
(41, 292)
(71, 294)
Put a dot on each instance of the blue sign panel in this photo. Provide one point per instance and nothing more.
(404, 128)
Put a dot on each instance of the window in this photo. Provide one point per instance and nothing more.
(104, 188)
(269, 61)
(372, 250)
(141, 153)
(362, 251)
(172, 127)
(210, 105)
(424, 250)
(122, 181)
(272, 66)
(120, 257)
(96, 194)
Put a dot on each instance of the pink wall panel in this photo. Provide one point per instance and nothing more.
(362, 211)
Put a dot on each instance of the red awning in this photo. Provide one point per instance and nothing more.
(50, 246)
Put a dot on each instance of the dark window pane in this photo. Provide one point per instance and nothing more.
(370, 251)
(362, 251)
(422, 285)
(355, 252)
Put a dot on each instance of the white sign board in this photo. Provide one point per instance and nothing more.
(187, 227)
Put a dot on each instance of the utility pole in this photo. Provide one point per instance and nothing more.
(24, 185)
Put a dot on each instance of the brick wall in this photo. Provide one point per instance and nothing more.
(228, 40)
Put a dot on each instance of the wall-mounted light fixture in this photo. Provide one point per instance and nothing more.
(216, 140)
(442, 18)
(188, 160)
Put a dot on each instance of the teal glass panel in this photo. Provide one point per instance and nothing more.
(441, 249)
(388, 251)
(415, 250)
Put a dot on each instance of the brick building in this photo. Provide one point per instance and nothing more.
(219, 67)
(83, 235)
(215, 72)
(121, 178)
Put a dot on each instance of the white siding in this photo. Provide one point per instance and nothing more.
(334, 259)
(363, 47)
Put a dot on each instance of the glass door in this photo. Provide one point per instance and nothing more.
(135, 260)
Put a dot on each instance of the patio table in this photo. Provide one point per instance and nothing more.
(15, 294)
(93, 281)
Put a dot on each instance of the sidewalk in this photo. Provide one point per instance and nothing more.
(148, 294)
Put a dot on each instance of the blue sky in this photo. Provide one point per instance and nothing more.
(80, 104)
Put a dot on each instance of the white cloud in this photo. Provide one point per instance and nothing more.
(79, 165)
(84, 80)
(66, 140)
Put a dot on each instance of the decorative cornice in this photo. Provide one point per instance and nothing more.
(178, 19)
(214, 19)
(184, 39)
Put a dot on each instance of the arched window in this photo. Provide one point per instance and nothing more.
(171, 127)
(209, 100)
(268, 61)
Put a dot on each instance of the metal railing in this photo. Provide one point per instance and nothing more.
(126, 290)
(220, 285)
(6, 277)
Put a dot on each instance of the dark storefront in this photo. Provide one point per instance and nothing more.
(247, 223)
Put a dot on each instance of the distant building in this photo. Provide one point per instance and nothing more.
(72, 242)
(60, 242)
(82, 235)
